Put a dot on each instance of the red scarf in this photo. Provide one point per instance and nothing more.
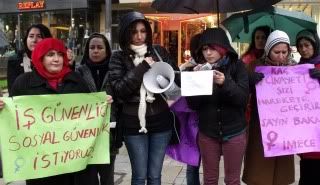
(41, 49)
(252, 55)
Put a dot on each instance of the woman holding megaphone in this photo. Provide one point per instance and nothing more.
(146, 118)
(222, 124)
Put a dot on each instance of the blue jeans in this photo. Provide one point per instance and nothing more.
(193, 175)
(146, 153)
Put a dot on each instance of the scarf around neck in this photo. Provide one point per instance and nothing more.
(315, 60)
(26, 63)
(38, 54)
(145, 95)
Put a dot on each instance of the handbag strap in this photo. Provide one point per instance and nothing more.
(158, 55)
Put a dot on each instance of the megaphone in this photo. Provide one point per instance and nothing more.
(159, 78)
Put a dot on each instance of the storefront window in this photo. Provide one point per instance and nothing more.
(59, 23)
(190, 28)
(170, 42)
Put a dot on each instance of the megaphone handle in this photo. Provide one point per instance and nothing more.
(160, 59)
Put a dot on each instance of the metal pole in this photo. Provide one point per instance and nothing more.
(108, 22)
(71, 13)
(218, 13)
(18, 34)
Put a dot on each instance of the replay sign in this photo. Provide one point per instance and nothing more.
(18, 6)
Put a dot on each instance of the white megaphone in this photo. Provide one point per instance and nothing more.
(160, 78)
(150, 77)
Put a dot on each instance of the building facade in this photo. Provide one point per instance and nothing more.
(67, 19)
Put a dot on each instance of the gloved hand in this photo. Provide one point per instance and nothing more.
(255, 78)
(314, 73)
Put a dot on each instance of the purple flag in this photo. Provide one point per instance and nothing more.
(289, 110)
(187, 150)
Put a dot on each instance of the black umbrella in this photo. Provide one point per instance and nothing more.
(209, 6)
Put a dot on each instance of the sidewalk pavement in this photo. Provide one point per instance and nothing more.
(173, 173)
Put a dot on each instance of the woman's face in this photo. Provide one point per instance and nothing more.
(53, 61)
(305, 48)
(97, 50)
(139, 35)
(279, 54)
(260, 39)
(34, 36)
(210, 55)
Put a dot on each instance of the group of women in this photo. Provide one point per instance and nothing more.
(144, 120)
(224, 133)
(277, 52)
(43, 67)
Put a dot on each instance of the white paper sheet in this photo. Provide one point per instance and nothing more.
(196, 83)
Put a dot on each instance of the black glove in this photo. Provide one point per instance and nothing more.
(255, 78)
(314, 73)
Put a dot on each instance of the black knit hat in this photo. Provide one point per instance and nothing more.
(311, 36)
(219, 37)
(194, 45)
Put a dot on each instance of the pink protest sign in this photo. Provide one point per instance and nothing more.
(289, 110)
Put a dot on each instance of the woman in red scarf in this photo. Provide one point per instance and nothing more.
(52, 75)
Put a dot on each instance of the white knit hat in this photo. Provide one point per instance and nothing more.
(274, 38)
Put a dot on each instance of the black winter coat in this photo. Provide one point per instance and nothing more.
(32, 83)
(14, 69)
(126, 80)
(222, 114)
(86, 74)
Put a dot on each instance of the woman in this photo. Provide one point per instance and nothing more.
(94, 70)
(145, 117)
(20, 63)
(259, 170)
(52, 75)
(222, 125)
(308, 46)
(255, 51)
(258, 41)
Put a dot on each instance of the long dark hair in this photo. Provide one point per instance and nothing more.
(265, 29)
(86, 48)
(44, 31)
(132, 29)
